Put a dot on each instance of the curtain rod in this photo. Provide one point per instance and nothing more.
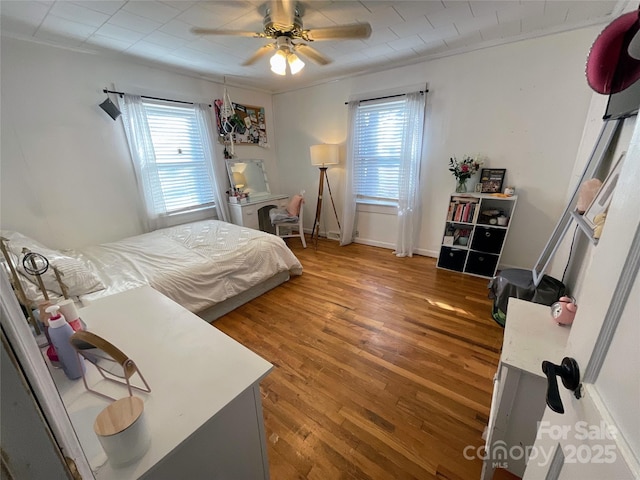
(388, 96)
(150, 98)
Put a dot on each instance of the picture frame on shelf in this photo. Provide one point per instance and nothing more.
(478, 188)
(600, 203)
(491, 179)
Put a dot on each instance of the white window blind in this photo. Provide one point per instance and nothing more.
(379, 131)
(178, 145)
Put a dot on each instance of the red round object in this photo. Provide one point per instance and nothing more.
(610, 68)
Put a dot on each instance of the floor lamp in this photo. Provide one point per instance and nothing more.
(322, 155)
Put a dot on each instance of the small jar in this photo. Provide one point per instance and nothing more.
(510, 191)
(122, 431)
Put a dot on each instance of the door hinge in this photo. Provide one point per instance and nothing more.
(71, 464)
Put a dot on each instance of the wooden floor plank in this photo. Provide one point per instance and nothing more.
(383, 366)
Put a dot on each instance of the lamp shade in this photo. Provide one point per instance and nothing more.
(295, 64)
(279, 63)
(324, 154)
(239, 180)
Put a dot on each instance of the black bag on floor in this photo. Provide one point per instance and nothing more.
(518, 283)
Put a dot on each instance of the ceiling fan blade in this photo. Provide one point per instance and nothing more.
(261, 52)
(215, 31)
(282, 14)
(356, 30)
(312, 54)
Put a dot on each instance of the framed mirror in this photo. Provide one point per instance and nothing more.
(248, 176)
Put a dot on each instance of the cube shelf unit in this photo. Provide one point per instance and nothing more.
(473, 240)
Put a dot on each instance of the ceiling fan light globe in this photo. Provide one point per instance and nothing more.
(295, 64)
(278, 72)
(279, 63)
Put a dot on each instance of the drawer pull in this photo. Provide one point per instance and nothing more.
(487, 234)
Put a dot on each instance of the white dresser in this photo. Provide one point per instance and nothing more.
(520, 387)
(204, 412)
(248, 214)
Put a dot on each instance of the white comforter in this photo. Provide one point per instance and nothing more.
(197, 264)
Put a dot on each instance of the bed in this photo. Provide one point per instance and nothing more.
(208, 267)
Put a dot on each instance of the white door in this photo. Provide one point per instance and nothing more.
(598, 436)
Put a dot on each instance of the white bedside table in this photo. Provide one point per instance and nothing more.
(519, 389)
(204, 412)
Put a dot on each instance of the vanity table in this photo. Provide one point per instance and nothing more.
(250, 177)
(204, 411)
(519, 386)
(248, 214)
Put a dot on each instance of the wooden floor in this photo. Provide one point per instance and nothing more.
(383, 366)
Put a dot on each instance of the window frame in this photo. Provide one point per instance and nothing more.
(189, 115)
(392, 103)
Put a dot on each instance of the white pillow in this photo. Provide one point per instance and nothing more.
(75, 275)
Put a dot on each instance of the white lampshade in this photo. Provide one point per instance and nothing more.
(324, 154)
(279, 63)
(295, 64)
(239, 179)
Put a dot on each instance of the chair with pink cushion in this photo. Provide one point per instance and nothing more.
(288, 222)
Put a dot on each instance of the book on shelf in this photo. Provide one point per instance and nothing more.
(452, 208)
(462, 209)
(465, 212)
(458, 215)
(474, 215)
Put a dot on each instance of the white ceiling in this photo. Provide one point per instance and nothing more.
(404, 32)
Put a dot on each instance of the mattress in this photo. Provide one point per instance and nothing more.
(197, 265)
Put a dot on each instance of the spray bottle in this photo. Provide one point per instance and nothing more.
(70, 313)
(60, 332)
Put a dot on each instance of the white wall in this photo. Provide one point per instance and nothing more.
(523, 105)
(67, 180)
(66, 175)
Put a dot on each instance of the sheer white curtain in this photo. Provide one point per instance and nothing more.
(205, 125)
(349, 199)
(138, 134)
(409, 182)
(156, 213)
(408, 177)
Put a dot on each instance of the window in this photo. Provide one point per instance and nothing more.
(172, 157)
(384, 155)
(379, 132)
(183, 173)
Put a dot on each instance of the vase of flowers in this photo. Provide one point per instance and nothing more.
(463, 170)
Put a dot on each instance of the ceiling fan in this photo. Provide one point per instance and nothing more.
(283, 23)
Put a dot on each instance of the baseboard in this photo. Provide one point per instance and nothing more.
(427, 253)
(329, 236)
(374, 243)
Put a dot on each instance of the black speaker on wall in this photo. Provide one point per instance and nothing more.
(111, 109)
